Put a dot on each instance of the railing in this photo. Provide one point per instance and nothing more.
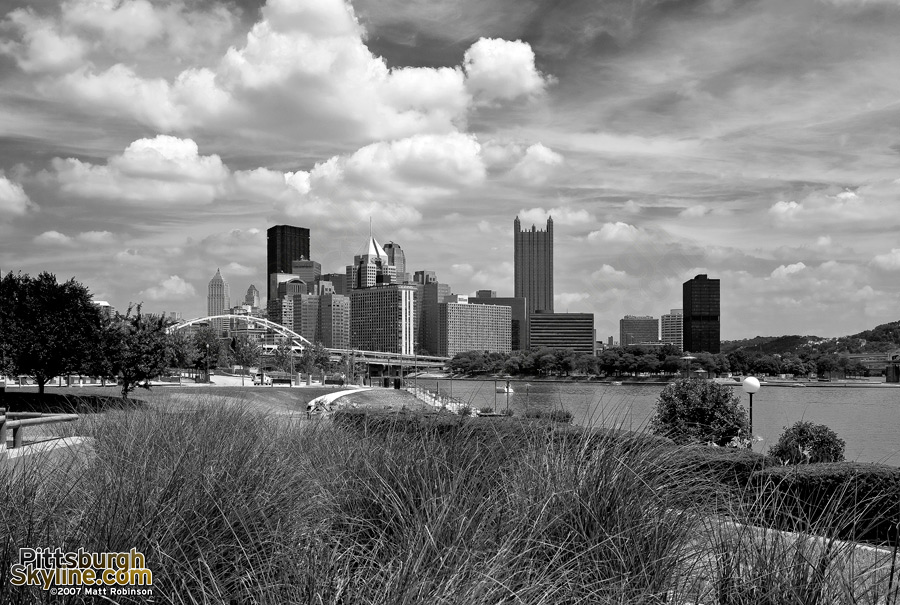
(436, 399)
(17, 421)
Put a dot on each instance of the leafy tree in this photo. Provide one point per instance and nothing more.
(136, 348)
(246, 352)
(47, 329)
(689, 410)
(208, 347)
(182, 350)
(284, 358)
(808, 442)
(314, 357)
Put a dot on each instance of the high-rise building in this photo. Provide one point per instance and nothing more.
(518, 318)
(533, 256)
(218, 299)
(397, 257)
(424, 277)
(284, 245)
(467, 327)
(308, 270)
(671, 327)
(252, 296)
(433, 294)
(338, 280)
(381, 318)
(371, 268)
(635, 329)
(334, 321)
(573, 331)
(306, 316)
(701, 315)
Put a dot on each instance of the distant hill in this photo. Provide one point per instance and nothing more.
(885, 337)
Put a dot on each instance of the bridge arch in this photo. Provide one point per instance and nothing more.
(277, 328)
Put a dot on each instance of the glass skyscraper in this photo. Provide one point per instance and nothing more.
(284, 245)
(701, 315)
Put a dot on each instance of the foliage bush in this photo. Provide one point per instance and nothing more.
(847, 500)
(808, 442)
(699, 411)
(726, 465)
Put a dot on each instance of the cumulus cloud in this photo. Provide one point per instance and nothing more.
(617, 232)
(502, 70)
(239, 269)
(564, 300)
(53, 238)
(694, 211)
(13, 199)
(607, 274)
(96, 237)
(784, 271)
(536, 165)
(171, 288)
(43, 47)
(868, 205)
(889, 261)
(164, 170)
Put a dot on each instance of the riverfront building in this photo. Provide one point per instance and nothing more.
(382, 318)
(218, 298)
(573, 331)
(701, 315)
(284, 245)
(634, 329)
(533, 260)
(518, 315)
(672, 328)
(472, 327)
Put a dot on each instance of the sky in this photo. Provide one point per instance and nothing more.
(144, 144)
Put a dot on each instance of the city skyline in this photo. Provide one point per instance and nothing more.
(666, 139)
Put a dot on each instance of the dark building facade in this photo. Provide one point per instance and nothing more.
(701, 315)
(573, 331)
(533, 260)
(284, 245)
(518, 318)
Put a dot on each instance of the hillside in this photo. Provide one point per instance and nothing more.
(884, 337)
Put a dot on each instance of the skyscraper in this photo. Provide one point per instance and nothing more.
(252, 296)
(533, 256)
(371, 268)
(635, 329)
(397, 257)
(218, 299)
(284, 245)
(701, 315)
(672, 328)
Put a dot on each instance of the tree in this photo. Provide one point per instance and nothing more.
(182, 350)
(690, 410)
(246, 352)
(47, 329)
(137, 348)
(284, 357)
(808, 442)
(314, 357)
(207, 345)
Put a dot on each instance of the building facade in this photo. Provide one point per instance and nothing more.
(308, 270)
(397, 257)
(334, 321)
(518, 315)
(284, 245)
(635, 329)
(433, 294)
(573, 331)
(671, 327)
(382, 319)
(701, 315)
(252, 296)
(338, 280)
(218, 299)
(533, 261)
(472, 327)
(371, 268)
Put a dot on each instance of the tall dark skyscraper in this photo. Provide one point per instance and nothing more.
(284, 245)
(534, 266)
(701, 315)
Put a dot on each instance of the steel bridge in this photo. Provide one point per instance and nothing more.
(398, 361)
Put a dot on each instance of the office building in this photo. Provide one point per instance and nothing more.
(338, 280)
(533, 259)
(306, 316)
(701, 315)
(433, 294)
(281, 311)
(382, 318)
(107, 311)
(218, 299)
(472, 327)
(334, 321)
(284, 245)
(308, 270)
(275, 280)
(397, 257)
(637, 329)
(671, 327)
(573, 331)
(371, 268)
(424, 277)
(518, 315)
(252, 296)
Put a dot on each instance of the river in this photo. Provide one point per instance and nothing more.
(866, 418)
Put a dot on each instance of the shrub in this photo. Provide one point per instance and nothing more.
(697, 411)
(486, 410)
(464, 410)
(728, 466)
(808, 442)
(564, 416)
(848, 500)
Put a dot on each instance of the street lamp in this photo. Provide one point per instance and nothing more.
(688, 359)
(750, 386)
(207, 362)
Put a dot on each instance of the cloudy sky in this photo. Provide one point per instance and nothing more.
(146, 143)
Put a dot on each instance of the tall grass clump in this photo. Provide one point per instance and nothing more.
(232, 506)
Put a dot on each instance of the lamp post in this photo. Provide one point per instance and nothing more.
(688, 359)
(207, 363)
(750, 386)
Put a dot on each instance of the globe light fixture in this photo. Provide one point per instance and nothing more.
(750, 386)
